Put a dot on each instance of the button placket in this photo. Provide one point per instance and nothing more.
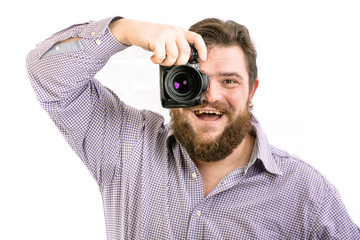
(198, 213)
(193, 175)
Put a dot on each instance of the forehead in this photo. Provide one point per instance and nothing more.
(225, 60)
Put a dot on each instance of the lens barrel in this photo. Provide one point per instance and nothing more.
(183, 83)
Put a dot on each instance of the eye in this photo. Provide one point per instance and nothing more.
(229, 81)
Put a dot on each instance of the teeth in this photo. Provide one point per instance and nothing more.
(198, 112)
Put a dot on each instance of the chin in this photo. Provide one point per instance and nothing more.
(208, 137)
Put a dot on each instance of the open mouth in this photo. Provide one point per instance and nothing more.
(208, 115)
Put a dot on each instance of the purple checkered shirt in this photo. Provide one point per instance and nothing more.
(151, 189)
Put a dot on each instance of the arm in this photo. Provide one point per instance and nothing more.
(90, 116)
(332, 220)
(169, 44)
(61, 70)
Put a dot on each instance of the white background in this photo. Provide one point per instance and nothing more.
(307, 100)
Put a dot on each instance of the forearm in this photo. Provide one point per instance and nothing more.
(169, 44)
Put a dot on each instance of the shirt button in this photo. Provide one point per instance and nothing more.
(93, 33)
(98, 42)
(193, 175)
(57, 48)
(198, 213)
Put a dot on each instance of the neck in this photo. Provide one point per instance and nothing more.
(213, 172)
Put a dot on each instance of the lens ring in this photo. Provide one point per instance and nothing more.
(183, 83)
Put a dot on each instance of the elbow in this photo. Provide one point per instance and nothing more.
(30, 63)
(33, 69)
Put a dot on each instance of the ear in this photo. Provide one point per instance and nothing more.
(255, 86)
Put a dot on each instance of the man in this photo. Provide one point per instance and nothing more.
(210, 173)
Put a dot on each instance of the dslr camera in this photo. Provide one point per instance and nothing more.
(182, 86)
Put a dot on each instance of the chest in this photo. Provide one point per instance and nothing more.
(233, 212)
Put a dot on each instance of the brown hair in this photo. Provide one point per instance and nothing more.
(216, 32)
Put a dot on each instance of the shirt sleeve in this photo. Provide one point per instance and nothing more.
(56, 69)
(90, 116)
(332, 220)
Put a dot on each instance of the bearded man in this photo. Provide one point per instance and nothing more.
(210, 173)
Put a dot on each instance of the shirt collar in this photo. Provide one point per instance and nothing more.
(264, 151)
(262, 146)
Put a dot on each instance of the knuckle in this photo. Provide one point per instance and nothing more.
(172, 55)
(183, 59)
(169, 60)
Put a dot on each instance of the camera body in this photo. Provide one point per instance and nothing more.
(182, 86)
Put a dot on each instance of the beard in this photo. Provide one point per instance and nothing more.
(211, 150)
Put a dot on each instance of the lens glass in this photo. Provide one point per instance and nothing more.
(182, 84)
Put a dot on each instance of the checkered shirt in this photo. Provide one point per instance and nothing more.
(151, 189)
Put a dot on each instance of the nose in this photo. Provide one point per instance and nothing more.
(213, 93)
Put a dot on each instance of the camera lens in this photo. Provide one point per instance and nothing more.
(183, 83)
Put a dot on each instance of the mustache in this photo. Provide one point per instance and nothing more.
(216, 105)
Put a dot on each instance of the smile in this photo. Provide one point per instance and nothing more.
(199, 112)
(208, 115)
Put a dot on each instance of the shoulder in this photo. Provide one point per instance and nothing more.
(292, 164)
(301, 176)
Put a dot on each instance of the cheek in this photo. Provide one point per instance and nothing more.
(174, 113)
(237, 99)
(179, 114)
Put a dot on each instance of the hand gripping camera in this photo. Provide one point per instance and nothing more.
(182, 86)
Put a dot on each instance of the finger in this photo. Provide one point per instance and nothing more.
(159, 54)
(184, 52)
(198, 42)
(172, 53)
